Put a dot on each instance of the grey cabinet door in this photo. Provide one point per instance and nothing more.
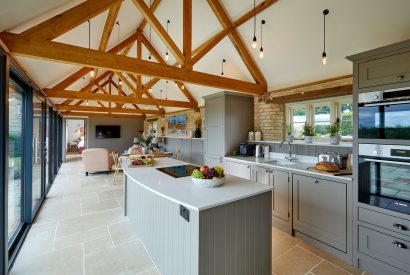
(214, 127)
(384, 71)
(197, 152)
(280, 196)
(211, 162)
(260, 174)
(319, 210)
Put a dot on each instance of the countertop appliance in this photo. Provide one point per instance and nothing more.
(384, 115)
(336, 158)
(258, 151)
(384, 176)
(246, 149)
(178, 171)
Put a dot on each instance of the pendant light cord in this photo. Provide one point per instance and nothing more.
(89, 34)
(254, 18)
(262, 23)
(118, 37)
(324, 32)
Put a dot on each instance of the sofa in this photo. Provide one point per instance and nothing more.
(97, 160)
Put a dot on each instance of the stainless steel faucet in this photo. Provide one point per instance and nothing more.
(288, 156)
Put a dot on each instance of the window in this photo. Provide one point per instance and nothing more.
(321, 114)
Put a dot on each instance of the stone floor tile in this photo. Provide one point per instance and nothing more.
(294, 262)
(326, 268)
(122, 232)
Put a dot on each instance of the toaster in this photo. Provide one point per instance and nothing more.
(336, 158)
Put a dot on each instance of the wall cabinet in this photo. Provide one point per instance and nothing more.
(191, 150)
(238, 169)
(228, 119)
(320, 210)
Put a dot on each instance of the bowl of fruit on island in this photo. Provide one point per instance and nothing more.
(142, 162)
(208, 177)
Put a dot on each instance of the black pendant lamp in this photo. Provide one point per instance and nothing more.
(254, 40)
(166, 50)
(223, 61)
(324, 57)
(92, 72)
(261, 49)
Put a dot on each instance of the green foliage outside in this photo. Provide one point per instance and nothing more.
(347, 124)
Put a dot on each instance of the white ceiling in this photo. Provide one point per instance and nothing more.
(292, 37)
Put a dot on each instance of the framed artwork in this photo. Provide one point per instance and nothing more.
(177, 125)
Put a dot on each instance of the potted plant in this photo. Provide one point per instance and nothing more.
(334, 132)
(145, 139)
(309, 132)
(289, 133)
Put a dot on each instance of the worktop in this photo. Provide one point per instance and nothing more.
(296, 166)
(183, 191)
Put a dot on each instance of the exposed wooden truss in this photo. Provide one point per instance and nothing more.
(35, 42)
(100, 114)
(120, 99)
(105, 109)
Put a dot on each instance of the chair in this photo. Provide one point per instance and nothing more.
(178, 154)
(96, 160)
(117, 165)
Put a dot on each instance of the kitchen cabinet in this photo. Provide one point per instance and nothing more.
(185, 149)
(281, 194)
(191, 149)
(197, 152)
(320, 210)
(238, 169)
(228, 119)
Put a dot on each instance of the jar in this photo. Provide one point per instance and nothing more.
(258, 136)
(251, 136)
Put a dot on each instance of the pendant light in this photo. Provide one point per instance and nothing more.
(166, 90)
(176, 84)
(182, 86)
(324, 57)
(150, 88)
(149, 56)
(92, 72)
(166, 50)
(160, 97)
(254, 41)
(223, 61)
(261, 49)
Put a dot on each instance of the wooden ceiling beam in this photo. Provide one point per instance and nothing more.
(153, 7)
(120, 99)
(49, 50)
(85, 114)
(106, 109)
(187, 33)
(205, 47)
(237, 41)
(186, 92)
(109, 24)
(68, 20)
(315, 94)
(159, 29)
(127, 83)
(146, 93)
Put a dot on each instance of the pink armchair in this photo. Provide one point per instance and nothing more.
(97, 160)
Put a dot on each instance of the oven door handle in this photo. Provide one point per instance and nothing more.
(386, 103)
(388, 161)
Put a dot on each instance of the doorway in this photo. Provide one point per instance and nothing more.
(75, 136)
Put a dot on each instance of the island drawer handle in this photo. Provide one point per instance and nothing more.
(316, 181)
(400, 227)
(400, 245)
(400, 77)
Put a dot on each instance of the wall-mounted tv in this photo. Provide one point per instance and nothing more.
(104, 131)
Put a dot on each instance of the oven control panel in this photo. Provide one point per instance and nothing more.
(385, 151)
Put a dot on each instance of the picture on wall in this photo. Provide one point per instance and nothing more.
(177, 125)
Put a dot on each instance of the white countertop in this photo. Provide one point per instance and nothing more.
(183, 190)
(297, 166)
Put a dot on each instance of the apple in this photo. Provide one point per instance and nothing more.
(204, 169)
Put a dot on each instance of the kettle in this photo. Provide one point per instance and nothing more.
(258, 150)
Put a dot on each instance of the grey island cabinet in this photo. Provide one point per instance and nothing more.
(191, 230)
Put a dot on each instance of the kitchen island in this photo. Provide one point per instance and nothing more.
(193, 230)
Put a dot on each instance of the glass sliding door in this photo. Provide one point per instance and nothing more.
(16, 133)
(38, 167)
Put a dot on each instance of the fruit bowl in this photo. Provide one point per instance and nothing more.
(208, 177)
(209, 182)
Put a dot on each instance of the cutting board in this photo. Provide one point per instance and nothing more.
(344, 172)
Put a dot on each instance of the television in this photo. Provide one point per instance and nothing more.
(104, 131)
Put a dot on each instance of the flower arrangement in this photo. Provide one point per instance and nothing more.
(145, 139)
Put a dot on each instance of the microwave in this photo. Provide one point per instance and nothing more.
(384, 178)
(384, 115)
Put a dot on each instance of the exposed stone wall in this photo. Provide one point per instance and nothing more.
(192, 116)
(269, 118)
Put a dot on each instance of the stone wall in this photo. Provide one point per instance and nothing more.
(192, 116)
(269, 118)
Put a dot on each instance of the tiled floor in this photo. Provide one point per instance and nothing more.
(81, 230)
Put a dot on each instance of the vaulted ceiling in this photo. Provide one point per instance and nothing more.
(292, 42)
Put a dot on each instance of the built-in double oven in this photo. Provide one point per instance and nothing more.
(384, 149)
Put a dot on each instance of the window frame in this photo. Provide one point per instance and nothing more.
(335, 104)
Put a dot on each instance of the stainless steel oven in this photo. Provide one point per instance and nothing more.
(384, 115)
(384, 176)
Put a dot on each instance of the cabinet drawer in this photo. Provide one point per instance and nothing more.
(388, 222)
(385, 248)
(384, 71)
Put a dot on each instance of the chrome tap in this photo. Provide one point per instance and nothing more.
(288, 156)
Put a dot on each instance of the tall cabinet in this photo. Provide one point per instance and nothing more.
(228, 119)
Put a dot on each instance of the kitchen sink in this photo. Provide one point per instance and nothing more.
(282, 162)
